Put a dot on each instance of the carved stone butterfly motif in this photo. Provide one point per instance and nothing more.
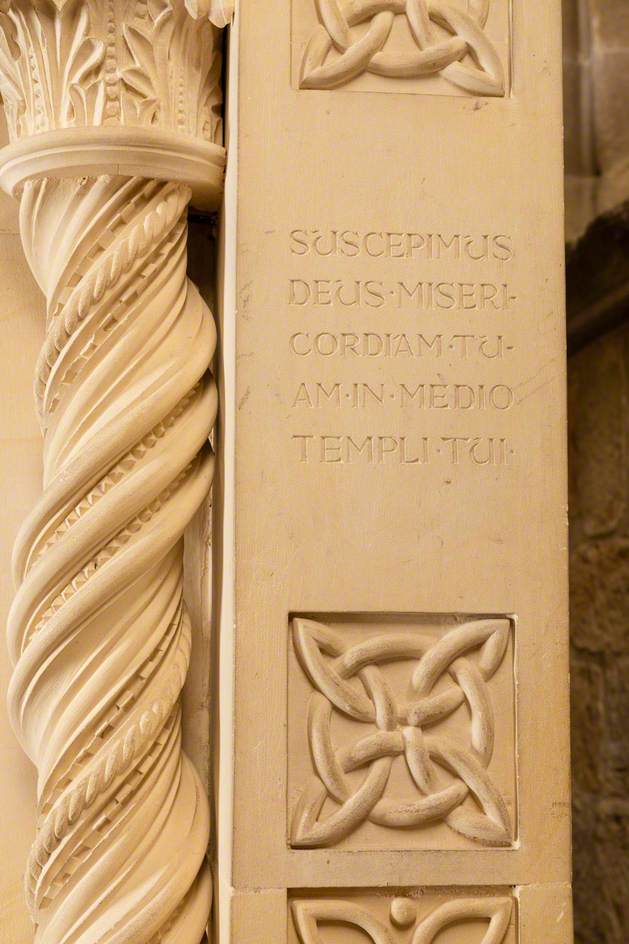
(322, 921)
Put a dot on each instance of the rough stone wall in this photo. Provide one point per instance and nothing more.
(596, 84)
(599, 469)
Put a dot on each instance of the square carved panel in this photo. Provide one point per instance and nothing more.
(474, 916)
(401, 732)
(430, 47)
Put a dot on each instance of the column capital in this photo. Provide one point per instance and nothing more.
(130, 87)
(219, 12)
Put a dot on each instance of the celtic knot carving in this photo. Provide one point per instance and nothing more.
(310, 915)
(431, 53)
(450, 779)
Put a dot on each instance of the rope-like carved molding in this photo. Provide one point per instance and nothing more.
(98, 632)
(348, 682)
(432, 54)
(311, 915)
(114, 111)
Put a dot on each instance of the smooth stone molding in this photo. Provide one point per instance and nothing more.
(114, 112)
(126, 152)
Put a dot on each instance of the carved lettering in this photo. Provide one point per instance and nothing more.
(403, 345)
(425, 396)
(376, 394)
(387, 449)
(379, 244)
(421, 296)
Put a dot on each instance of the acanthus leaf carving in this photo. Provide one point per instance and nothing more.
(48, 67)
(83, 63)
(169, 68)
(219, 12)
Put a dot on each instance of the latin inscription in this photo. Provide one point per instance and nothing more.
(382, 244)
(366, 346)
(429, 396)
(424, 296)
(406, 450)
(403, 345)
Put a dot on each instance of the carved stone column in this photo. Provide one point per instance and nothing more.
(114, 113)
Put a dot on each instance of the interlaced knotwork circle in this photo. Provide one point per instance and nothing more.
(431, 53)
(350, 682)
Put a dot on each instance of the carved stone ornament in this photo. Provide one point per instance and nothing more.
(348, 681)
(337, 53)
(310, 916)
(114, 113)
(93, 85)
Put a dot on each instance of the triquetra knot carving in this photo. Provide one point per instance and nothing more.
(432, 52)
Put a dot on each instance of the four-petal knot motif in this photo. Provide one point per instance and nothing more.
(349, 681)
(465, 55)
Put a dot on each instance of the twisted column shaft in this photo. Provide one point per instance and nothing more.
(99, 633)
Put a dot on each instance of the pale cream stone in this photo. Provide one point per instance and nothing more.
(400, 45)
(114, 112)
(400, 704)
(403, 802)
(20, 486)
(518, 915)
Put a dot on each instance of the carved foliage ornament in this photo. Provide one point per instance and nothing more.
(348, 681)
(432, 52)
(95, 63)
(311, 916)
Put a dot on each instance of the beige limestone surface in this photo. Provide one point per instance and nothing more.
(114, 118)
(20, 485)
(400, 718)
(400, 707)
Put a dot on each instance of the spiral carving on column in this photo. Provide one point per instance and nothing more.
(99, 633)
(114, 114)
